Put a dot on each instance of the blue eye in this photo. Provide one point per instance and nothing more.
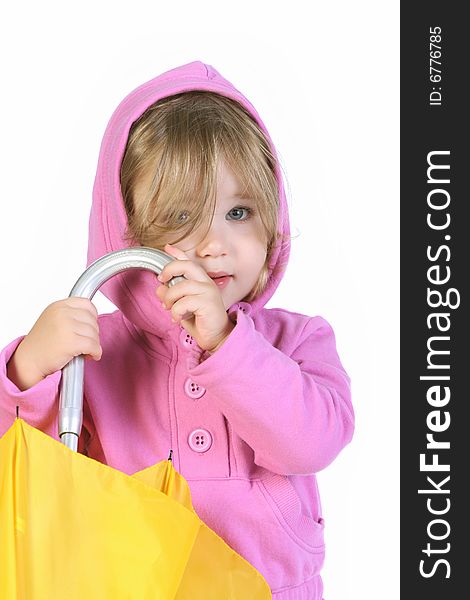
(237, 213)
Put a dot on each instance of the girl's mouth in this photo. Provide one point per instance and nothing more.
(221, 281)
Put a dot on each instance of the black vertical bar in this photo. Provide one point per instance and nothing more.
(435, 252)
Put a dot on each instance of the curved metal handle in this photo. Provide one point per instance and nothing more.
(71, 384)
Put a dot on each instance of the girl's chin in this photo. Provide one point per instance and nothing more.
(228, 302)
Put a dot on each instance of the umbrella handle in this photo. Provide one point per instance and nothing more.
(71, 384)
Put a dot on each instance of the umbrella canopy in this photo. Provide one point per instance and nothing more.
(130, 537)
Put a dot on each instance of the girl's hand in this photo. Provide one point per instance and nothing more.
(209, 323)
(65, 329)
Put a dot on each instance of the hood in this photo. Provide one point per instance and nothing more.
(133, 291)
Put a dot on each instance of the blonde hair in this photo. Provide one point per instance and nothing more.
(180, 139)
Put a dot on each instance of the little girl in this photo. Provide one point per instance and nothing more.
(253, 401)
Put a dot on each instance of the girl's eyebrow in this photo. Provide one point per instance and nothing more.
(242, 196)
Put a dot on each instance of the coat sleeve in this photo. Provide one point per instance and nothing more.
(39, 405)
(294, 410)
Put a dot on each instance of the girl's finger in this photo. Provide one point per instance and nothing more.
(83, 316)
(176, 252)
(84, 328)
(185, 307)
(185, 267)
(182, 289)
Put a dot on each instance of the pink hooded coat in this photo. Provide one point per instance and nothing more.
(249, 425)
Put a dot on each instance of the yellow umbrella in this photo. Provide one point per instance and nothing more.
(72, 527)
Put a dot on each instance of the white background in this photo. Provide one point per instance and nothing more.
(325, 82)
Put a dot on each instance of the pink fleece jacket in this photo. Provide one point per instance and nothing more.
(249, 426)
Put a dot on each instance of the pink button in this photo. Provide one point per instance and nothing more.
(200, 440)
(186, 340)
(193, 390)
(245, 307)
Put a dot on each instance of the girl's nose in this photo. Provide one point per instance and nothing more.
(214, 244)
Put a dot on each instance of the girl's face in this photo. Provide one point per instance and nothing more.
(236, 243)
